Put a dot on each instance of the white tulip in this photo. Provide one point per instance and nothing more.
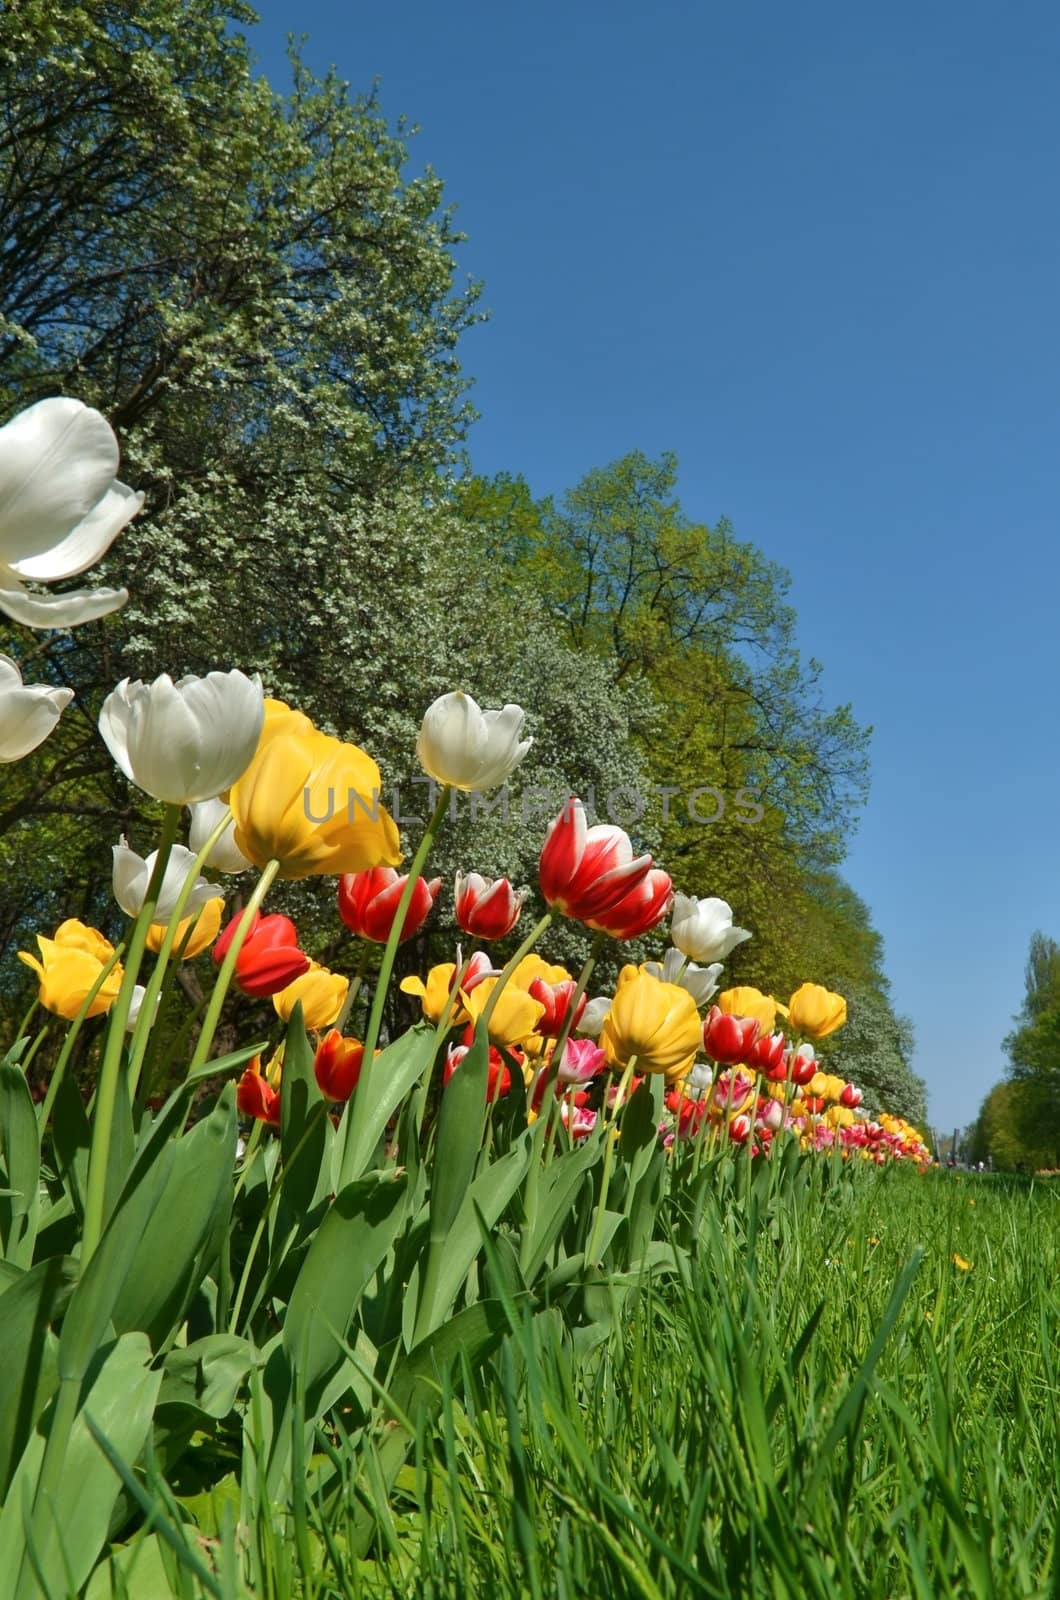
(468, 748)
(28, 711)
(592, 1018)
(135, 1002)
(699, 1079)
(701, 982)
(60, 508)
(184, 741)
(226, 856)
(132, 875)
(703, 929)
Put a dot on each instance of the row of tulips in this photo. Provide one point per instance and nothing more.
(526, 1142)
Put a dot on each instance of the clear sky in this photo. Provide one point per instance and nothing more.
(815, 251)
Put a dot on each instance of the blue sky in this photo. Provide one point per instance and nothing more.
(815, 251)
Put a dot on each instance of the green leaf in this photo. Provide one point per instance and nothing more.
(28, 1372)
(120, 1399)
(384, 1083)
(20, 1143)
(459, 1141)
(207, 1374)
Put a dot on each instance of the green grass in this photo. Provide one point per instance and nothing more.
(823, 1404)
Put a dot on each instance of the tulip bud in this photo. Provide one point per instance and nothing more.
(467, 748)
(581, 1061)
(269, 958)
(802, 1065)
(728, 1039)
(768, 1057)
(368, 903)
(255, 1097)
(850, 1096)
(740, 1129)
(703, 929)
(556, 999)
(816, 1011)
(337, 1066)
(485, 908)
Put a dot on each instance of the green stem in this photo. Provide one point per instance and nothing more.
(354, 988)
(228, 966)
(110, 1073)
(146, 1020)
(506, 972)
(609, 1160)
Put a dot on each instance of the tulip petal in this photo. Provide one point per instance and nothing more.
(57, 610)
(58, 458)
(27, 713)
(87, 543)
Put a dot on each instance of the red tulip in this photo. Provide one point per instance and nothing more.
(485, 908)
(740, 1129)
(499, 1080)
(641, 908)
(802, 1064)
(269, 958)
(255, 1097)
(814, 1103)
(337, 1065)
(556, 999)
(767, 1057)
(368, 903)
(582, 1060)
(584, 872)
(729, 1039)
(850, 1096)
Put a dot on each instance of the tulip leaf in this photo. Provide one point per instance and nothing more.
(20, 1143)
(304, 1130)
(383, 1085)
(207, 1374)
(450, 1258)
(558, 1186)
(120, 1401)
(28, 1372)
(182, 1236)
(71, 1140)
(459, 1136)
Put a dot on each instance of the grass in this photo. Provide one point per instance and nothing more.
(824, 1403)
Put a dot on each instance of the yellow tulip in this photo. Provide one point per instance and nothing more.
(69, 965)
(532, 967)
(748, 1002)
(515, 1015)
(204, 926)
(322, 993)
(434, 994)
(839, 1117)
(816, 1011)
(657, 1022)
(311, 802)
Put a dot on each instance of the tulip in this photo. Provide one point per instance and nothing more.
(337, 1065)
(578, 1120)
(584, 872)
(269, 958)
(68, 967)
(656, 1022)
(689, 1114)
(816, 1011)
(732, 1089)
(135, 1005)
(225, 856)
(255, 1096)
(748, 1002)
(60, 508)
(322, 995)
(580, 1062)
(595, 1015)
(467, 748)
(368, 903)
(184, 741)
(701, 982)
(740, 1129)
(487, 908)
(728, 1039)
(639, 910)
(28, 712)
(703, 929)
(700, 1078)
(434, 994)
(802, 1064)
(311, 802)
(499, 1079)
(515, 1016)
(768, 1056)
(194, 934)
(556, 999)
(132, 877)
(772, 1116)
(850, 1096)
